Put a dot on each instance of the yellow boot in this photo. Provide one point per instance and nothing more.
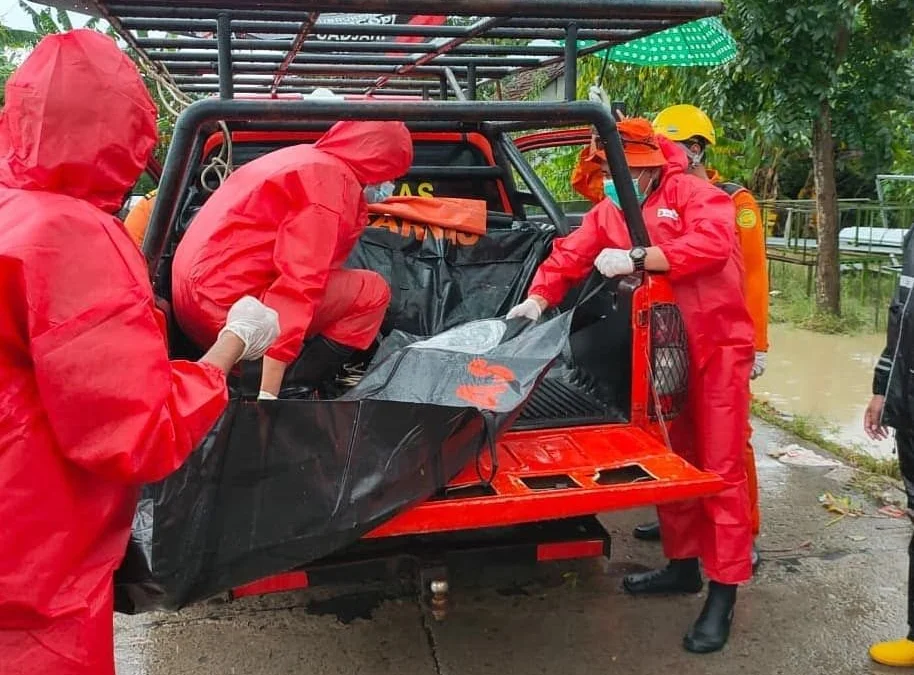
(899, 653)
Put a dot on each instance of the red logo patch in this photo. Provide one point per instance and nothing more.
(486, 394)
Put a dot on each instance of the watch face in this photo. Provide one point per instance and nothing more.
(638, 253)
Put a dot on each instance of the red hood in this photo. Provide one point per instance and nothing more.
(676, 159)
(375, 151)
(78, 121)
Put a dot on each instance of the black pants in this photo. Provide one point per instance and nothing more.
(904, 442)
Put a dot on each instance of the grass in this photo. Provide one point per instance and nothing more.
(810, 430)
(865, 298)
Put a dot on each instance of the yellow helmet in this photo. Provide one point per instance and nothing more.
(682, 122)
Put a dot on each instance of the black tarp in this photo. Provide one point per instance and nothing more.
(279, 484)
(437, 283)
(491, 364)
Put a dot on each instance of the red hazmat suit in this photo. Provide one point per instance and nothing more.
(92, 408)
(280, 229)
(691, 221)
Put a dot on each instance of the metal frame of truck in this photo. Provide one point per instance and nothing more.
(524, 509)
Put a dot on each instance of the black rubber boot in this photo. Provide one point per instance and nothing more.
(711, 631)
(320, 360)
(647, 532)
(679, 576)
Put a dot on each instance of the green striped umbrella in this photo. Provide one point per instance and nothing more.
(704, 42)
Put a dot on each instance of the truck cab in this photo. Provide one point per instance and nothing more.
(592, 436)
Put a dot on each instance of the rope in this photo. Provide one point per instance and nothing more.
(221, 164)
(171, 97)
(175, 102)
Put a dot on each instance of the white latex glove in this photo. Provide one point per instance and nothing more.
(597, 94)
(255, 324)
(761, 363)
(528, 309)
(614, 262)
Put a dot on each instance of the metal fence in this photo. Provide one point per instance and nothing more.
(870, 238)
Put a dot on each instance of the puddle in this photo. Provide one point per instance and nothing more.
(824, 376)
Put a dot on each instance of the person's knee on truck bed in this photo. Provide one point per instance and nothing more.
(280, 229)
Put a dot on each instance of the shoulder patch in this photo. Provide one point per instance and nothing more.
(730, 187)
(746, 218)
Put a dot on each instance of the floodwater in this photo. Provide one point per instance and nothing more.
(828, 377)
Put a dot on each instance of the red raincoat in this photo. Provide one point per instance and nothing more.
(91, 406)
(692, 223)
(280, 229)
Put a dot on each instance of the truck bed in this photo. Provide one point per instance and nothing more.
(557, 473)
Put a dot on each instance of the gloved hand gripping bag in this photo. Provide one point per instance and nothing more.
(280, 484)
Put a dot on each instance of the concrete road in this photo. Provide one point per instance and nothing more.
(822, 595)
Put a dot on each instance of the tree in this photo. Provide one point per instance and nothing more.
(825, 75)
(47, 21)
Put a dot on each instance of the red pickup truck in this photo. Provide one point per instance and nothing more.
(591, 438)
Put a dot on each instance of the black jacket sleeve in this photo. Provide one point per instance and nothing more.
(896, 310)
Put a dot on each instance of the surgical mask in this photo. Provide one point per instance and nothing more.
(609, 189)
(695, 158)
(379, 193)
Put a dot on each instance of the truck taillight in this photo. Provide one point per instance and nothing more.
(669, 361)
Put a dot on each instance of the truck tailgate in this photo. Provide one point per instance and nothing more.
(558, 473)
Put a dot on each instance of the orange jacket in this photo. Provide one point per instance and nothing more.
(750, 231)
(587, 180)
(587, 176)
(138, 218)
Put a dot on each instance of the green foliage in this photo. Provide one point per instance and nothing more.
(13, 44)
(864, 299)
(854, 55)
(554, 167)
(646, 91)
(48, 20)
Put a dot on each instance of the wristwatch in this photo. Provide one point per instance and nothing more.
(638, 256)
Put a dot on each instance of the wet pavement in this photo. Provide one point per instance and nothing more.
(823, 593)
(825, 377)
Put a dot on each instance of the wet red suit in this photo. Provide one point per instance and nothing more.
(692, 223)
(91, 406)
(280, 229)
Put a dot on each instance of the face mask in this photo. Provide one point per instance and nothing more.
(609, 189)
(379, 193)
(695, 158)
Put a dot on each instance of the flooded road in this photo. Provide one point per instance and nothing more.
(828, 377)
